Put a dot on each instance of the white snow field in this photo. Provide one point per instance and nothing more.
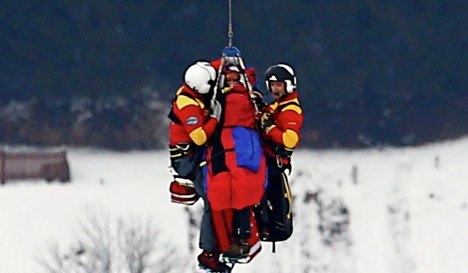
(393, 210)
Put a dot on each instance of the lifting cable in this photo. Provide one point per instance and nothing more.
(220, 81)
(230, 31)
(240, 61)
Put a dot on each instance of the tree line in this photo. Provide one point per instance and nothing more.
(369, 73)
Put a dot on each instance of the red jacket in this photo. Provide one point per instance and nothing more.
(288, 117)
(190, 122)
(237, 167)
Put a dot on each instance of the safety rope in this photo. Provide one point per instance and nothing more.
(223, 60)
(230, 31)
(219, 83)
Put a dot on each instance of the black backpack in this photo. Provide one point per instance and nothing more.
(274, 213)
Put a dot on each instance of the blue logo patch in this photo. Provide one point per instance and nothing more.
(192, 120)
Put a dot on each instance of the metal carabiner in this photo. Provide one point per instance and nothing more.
(279, 163)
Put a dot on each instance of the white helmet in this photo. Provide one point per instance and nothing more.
(200, 77)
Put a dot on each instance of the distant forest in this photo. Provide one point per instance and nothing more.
(103, 73)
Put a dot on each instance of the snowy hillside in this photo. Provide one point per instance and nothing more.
(368, 211)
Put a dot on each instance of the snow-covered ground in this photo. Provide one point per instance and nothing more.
(364, 211)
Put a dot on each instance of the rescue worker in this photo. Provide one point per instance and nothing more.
(192, 124)
(280, 124)
(237, 167)
(282, 120)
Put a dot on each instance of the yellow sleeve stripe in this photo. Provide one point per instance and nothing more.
(293, 107)
(226, 89)
(289, 101)
(290, 139)
(198, 136)
(184, 101)
(201, 104)
(273, 106)
(267, 130)
(180, 90)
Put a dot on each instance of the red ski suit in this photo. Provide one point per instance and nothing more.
(232, 181)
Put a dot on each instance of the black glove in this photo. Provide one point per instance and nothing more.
(257, 98)
(266, 121)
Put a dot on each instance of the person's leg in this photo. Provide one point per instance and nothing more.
(209, 258)
(241, 230)
(243, 223)
(207, 233)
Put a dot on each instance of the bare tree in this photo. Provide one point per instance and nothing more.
(126, 245)
(55, 263)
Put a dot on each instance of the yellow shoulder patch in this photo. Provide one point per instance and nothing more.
(184, 101)
(293, 107)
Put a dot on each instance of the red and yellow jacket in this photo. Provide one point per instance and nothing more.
(288, 116)
(190, 121)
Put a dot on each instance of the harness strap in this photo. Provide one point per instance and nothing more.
(205, 162)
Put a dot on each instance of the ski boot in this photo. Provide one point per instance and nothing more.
(237, 251)
(265, 234)
(209, 262)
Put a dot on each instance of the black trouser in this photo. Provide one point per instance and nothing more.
(187, 166)
(185, 159)
(274, 215)
(207, 233)
(241, 223)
